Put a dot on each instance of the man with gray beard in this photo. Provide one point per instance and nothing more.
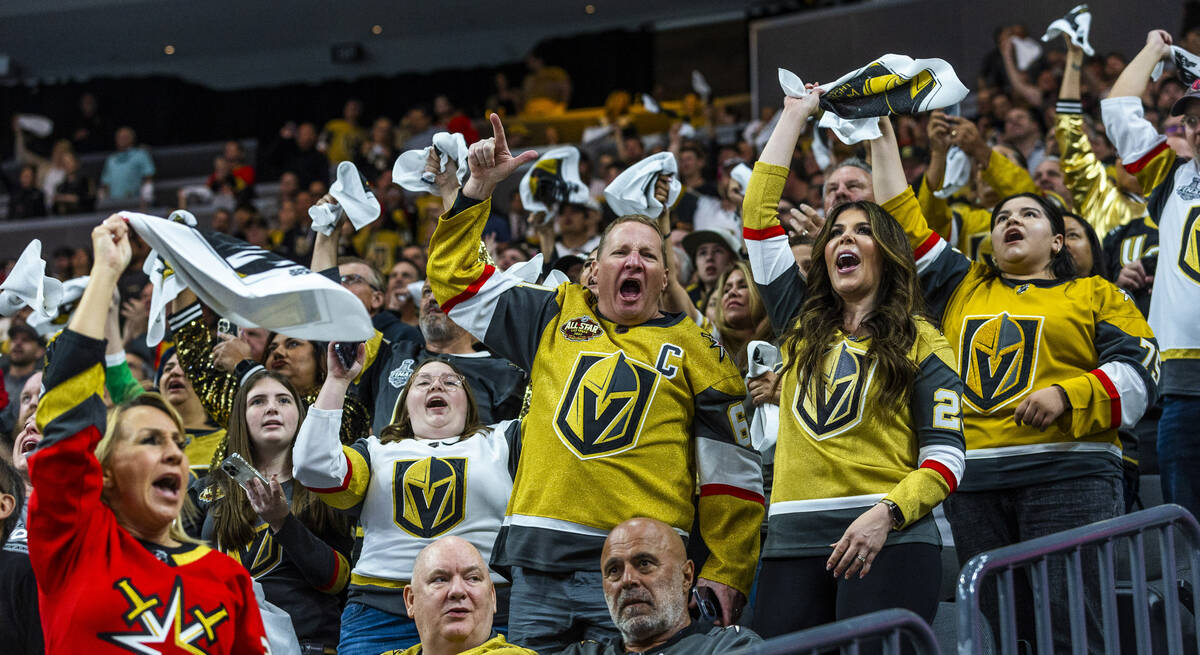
(499, 387)
(647, 578)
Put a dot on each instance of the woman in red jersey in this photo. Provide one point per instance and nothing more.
(115, 571)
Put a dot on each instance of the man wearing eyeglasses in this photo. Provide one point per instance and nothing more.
(1171, 185)
(361, 279)
(647, 577)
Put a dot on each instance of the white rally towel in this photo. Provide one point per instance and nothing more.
(957, 174)
(700, 86)
(762, 357)
(409, 169)
(253, 287)
(35, 124)
(1187, 64)
(529, 271)
(27, 285)
(277, 624)
(891, 84)
(354, 199)
(553, 178)
(165, 285)
(1076, 24)
(847, 131)
(741, 174)
(820, 151)
(72, 291)
(632, 192)
(1025, 51)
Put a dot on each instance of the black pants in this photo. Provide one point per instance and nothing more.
(794, 594)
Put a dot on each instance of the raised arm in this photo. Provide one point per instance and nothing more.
(1016, 77)
(1143, 151)
(494, 307)
(771, 261)
(1133, 80)
(338, 474)
(941, 267)
(1094, 194)
(66, 477)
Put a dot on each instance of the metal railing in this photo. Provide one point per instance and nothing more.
(1102, 537)
(886, 626)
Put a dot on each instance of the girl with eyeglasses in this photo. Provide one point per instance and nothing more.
(435, 471)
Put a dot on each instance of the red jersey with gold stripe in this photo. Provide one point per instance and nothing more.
(100, 590)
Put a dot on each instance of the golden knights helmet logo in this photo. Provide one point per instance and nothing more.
(603, 407)
(877, 91)
(998, 358)
(840, 395)
(430, 495)
(261, 555)
(1189, 251)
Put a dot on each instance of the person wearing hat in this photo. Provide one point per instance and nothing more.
(1172, 188)
(713, 247)
(24, 358)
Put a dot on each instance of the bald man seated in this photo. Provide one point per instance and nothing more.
(452, 601)
(647, 578)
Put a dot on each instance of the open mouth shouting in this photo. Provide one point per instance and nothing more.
(169, 486)
(436, 403)
(847, 261)
(629, 291)
(1013, 234)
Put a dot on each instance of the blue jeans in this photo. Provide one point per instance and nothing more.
(550, 611)
(986, 520)
(1179, 451)
(368, 631)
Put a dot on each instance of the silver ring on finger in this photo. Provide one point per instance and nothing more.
(860, 557)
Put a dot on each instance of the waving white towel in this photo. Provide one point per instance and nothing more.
(72, 291)
(28, 286)
(847, 131)
(557, 171)
(1076, 24)
(409, 170)
(762, 357)
(1185, 62)
(165, 285)
(354, 199)
(632, 192)
(891, 84)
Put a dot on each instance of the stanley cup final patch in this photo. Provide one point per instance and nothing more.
(581, 328)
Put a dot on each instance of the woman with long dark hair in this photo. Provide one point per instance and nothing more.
(114, 567)
(869, 436)
(435, 471)
(1052, 364)
(295, 546)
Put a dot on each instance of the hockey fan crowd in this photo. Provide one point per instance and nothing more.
(670, 393)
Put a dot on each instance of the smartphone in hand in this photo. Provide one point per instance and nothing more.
(347, 352)
(236, 467)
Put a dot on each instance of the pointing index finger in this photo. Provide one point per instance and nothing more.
(498, 130)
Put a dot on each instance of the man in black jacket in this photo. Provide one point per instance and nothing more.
(647, 576)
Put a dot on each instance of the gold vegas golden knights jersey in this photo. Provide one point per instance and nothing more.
(623, 421)
(839, 450)
(1013, 337)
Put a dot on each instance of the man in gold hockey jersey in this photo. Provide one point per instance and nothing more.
(634, 412)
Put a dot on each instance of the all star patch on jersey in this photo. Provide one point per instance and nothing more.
(581, 328)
